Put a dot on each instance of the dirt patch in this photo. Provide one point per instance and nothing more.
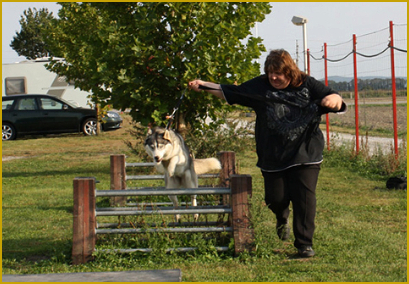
(9, 158)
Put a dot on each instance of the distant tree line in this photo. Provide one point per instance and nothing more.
(368, 84)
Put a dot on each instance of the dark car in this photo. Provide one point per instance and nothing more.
(111, 121)
(43, 114)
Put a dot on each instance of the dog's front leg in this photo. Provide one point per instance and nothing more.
(172, 166)
(174, 200)
(173, 182)
(190, 180)
(194, 203)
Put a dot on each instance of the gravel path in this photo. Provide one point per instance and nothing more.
(374, 143)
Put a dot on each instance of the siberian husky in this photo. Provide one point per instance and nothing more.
(172, 158)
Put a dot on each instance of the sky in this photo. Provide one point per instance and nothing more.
(329, 22)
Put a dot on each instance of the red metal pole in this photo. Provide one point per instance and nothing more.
(326, 84)
(356, 95)
(395, 120)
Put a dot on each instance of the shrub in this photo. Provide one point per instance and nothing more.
(380, 165)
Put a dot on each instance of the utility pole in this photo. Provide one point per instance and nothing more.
(296, 52)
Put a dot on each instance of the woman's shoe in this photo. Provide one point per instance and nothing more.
(283, 231)
(306, 251)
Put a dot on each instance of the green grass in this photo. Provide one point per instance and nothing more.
(360, 225)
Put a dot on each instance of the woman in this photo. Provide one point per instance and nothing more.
(288, 104)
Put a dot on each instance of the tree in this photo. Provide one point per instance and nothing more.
(29, 42)
(140, 56)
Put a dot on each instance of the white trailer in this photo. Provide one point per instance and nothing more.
(31, 77)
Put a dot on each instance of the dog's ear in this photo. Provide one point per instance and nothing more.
(166, 135)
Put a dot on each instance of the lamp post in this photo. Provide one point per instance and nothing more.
(301, 21)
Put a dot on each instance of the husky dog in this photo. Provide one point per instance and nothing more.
(172, 157)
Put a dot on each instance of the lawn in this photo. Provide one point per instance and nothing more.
(361, 227)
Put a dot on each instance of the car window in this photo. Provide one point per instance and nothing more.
(7, 104)
(50, 104)
(27, 104)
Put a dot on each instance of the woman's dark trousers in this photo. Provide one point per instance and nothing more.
(296, 185)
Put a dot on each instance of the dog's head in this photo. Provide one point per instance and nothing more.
(158, 144)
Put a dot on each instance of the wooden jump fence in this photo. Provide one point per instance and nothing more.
(234, 189)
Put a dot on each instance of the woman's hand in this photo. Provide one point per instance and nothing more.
(194, 85)
(333, 102)
(213, 88)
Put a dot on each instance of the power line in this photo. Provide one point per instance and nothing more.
(359, 53)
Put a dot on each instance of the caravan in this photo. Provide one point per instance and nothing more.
(31, 77)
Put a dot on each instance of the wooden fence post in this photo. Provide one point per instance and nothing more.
(243, 234)
(118, 178)
(83, 243)
(228, 161)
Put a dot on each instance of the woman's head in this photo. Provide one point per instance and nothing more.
(279, 62)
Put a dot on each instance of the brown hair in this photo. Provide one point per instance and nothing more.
(280, 61)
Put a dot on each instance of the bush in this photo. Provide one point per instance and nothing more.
(227, 137)
(380, 165)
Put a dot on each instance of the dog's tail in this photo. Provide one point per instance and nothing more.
(203, 166)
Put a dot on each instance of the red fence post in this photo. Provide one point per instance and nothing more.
(118, 178)
(395, 119)
(243, 234)
(326, 84)
(84, 220)
(356, 95)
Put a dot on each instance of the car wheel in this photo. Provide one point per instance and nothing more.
(90, 126)
(9, 133)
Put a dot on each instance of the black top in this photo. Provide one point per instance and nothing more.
(287, 125)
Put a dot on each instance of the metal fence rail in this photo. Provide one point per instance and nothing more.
(166, 230)
(185, 249)
(170, 224)
(155, 177)
(172, 211)
(158, 192)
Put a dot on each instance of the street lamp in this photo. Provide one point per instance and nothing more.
(301, 21)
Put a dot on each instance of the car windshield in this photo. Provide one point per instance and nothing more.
(69, 103)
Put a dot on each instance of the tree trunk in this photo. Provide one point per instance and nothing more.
(98, 117)
(181, 127)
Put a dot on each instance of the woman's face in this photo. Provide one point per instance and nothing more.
(278, 80)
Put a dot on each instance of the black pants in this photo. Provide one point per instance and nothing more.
(296, 185)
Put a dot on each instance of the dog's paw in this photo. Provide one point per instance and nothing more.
(196, 217)
(177, 218)
(171, 173)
